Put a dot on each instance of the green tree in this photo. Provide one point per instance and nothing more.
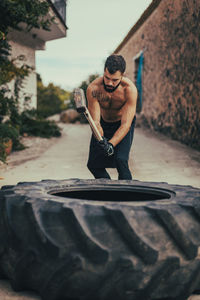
(13, 13)
(50, 98)
(33, 13)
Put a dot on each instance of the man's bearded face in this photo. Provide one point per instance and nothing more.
(111, 81)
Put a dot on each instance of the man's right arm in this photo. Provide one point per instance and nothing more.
(94, 107)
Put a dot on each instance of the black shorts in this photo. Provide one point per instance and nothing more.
(97, 159)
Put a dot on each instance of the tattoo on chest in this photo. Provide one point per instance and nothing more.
(100, 96)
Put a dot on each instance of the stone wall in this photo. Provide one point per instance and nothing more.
(170, 38)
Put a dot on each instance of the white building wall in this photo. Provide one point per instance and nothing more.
(30, 83)
(26, 43)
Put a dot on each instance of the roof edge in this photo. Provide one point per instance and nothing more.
(146, 14)
(57, 13)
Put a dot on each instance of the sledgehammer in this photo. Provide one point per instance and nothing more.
(80, 101)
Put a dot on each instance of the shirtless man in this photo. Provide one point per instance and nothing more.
(112, 104)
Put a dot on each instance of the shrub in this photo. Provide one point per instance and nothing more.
(7, 132)
(32, 125)
(50, 99)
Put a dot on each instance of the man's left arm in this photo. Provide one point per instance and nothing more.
(128, 113)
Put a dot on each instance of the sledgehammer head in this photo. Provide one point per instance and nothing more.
(80, 101)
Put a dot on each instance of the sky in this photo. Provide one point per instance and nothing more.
(95, 29)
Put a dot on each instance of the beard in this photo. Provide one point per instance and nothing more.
(110, 89)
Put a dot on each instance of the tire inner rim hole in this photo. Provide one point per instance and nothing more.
(112, 194)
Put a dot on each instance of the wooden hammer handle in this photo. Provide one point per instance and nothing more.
(93, 125)
(80, 101)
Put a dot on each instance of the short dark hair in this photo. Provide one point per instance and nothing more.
(115, 63)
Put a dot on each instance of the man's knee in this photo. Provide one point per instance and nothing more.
(98, 172)
(89, 167)
(121, 162)
(123, 168)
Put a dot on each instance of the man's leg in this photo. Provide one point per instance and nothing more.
(122, 154)
(123, 169)
(96, 161)
(99, 172)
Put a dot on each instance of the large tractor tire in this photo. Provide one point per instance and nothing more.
(101, 239)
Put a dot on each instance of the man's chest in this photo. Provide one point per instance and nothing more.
(110, 101)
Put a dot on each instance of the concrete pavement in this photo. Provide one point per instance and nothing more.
(153, 158)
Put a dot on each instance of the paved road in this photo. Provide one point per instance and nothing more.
(153, 158)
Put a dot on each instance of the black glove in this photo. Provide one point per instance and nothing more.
(106, 147)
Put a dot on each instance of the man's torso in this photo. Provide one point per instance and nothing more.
(111, 103)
